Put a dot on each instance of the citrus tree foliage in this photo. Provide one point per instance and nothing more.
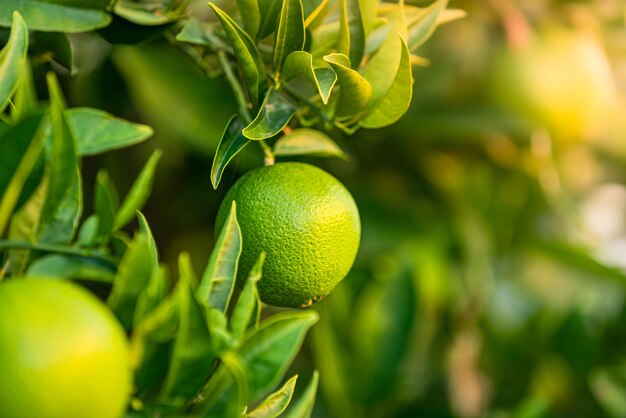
(297, 69)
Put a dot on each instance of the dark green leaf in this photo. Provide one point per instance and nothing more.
(192, 356)
(22, 165)
(105, 204)
(55, 45)
(147, 13)
(398, 98)
(290, 35)
(57, 15)
(97, 131)
(351, 32)
(25, 99)
(139, 192)
(355, 92)
(13, 55)
(63, 206)
(132, 277)
(248, 305)
(152, 295)
(270, 10)
(231, 372)
(245, 51)
(303, 408)
(313, 10)
(231, 143)
(275, 113)
(69, 267)
(305, 141)
(276, 403)
(300, 64)
(250, 15)
(218, 280)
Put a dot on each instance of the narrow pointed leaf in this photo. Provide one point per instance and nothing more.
(218, 281)
(152, 295)
(132, 277)
(313, 9)
(290, 35)
(356, 91)
(275, 113)
(231, 143)
(398, 99)
(248, 303)
(351, 32)
(276, 403)
(270, 10)
(70, 267)
(63, 205)
(423, 25)
(106, 203)
(25, 98)
(303, 408)
(144, 228)
(139, 192)
(12, 59)
(245, 51)
(305, 141)
(300, 64)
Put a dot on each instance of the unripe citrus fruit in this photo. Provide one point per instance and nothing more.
(561, 80)
(305, 221)
(62, 353)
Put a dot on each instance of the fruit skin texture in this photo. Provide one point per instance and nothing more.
(62, 353)
(307, 223)
(562, 80)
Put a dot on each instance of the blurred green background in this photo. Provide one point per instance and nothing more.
(490, 281)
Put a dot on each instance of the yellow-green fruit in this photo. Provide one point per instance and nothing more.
(62, 353)
(561, 80)
(305, 221)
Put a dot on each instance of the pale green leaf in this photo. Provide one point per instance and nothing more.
(231, 143)
(313, 11)
(139, 192)
(276, 403)
(194, 32)
(290, 34)
(57, 16)
(398, 98)
(146, 13)
(351, 32)
(303, 408)
(275, 113)
(144, 228)
(305, 141)
(218, 281)
(12, 59)
(70, 267)
(355, 92)
(300, 64)
(423, 24)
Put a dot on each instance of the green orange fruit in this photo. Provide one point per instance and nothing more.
(305, 221)
(62, 353)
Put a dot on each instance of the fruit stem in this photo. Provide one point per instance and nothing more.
(267, 151)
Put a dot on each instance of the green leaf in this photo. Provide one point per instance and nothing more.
(194, 32)
(398, 98)
(303, 408)
(63, 205)
(25, 99)
(250, 15)
(423, 24)
(56, 46)
(290, 35)
(269, 351)
(22, 165)
(192, 355)
(305, 141)
(12, 57)
(276, 403)
(152, 295)
(69, 267)
(275, 113)
(57, 15)
(106, 203)
(351, 32)
(355, 92)
(248, 305)
(97, 131)
(144, 228)
(132, 277)
(386, 61)
(231, 143)
(269, 17)
(231, 372)
(218, 280)
(313, 10)
(246, 53)
(608, 385)
(369, 15)
(300, 64)
(147, 13)
(139, 192)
